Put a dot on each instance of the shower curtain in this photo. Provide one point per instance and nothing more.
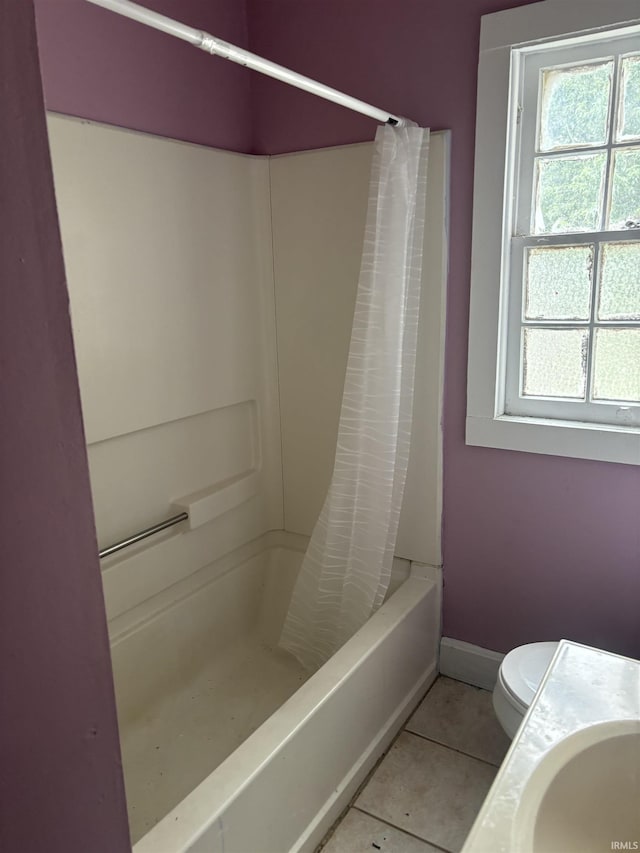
(346, 570)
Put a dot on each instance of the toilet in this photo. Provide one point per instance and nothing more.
(519, 677)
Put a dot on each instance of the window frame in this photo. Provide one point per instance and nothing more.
(503, 34)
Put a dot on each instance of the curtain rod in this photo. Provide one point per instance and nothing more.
(217, 47)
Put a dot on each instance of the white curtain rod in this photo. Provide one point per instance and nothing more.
(217, 47)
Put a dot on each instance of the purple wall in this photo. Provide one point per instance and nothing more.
(61, 787)
(535, 547)
(98, 65)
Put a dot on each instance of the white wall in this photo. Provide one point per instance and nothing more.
(168, 249)
(168, 254)
(319, 201)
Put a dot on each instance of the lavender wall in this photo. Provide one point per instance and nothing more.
(98, 65)
(535, 547)
(61, 787)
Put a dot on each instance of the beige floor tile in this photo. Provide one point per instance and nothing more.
(462, 717)
(429, 790)
(361, 833)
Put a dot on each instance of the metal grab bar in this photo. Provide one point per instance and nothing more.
(137, 537)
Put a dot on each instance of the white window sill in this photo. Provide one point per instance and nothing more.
(556, 438)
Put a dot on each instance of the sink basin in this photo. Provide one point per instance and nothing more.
(585, 793)
(570, 782)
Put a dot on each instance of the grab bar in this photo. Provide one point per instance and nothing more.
(137, 537)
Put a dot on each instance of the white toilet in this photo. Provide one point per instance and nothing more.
(520, 674)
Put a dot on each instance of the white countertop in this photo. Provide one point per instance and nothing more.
(582, 687)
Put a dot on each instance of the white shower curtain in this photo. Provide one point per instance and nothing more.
(346, 569)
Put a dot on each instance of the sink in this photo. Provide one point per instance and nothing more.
(585, 793)
(570, 782)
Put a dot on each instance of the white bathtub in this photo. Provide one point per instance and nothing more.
(287, 782)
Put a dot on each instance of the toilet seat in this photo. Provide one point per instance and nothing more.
(519, 677)
(522, 671)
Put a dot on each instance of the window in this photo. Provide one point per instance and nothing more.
(554, 349)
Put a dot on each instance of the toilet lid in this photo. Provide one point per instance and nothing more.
(523, 668)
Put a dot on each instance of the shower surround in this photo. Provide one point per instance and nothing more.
(211, 298)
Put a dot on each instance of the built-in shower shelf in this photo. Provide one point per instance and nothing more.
(205, 505)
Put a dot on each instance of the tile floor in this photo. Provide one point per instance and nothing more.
(424, 794)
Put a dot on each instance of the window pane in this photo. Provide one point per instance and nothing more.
(558, 283)
(625, 193)
(554, 363)
(569, 193)
(629, 107)
(619, 297)
(575, 106)
(616, 367)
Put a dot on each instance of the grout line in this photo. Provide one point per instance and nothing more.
(373, 770)
(401, 828)
(452, 748)
(330, 832)
(276, 334)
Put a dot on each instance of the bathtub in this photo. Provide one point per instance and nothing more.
(228, 738)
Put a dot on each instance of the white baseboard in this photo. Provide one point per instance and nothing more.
(469, 663)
